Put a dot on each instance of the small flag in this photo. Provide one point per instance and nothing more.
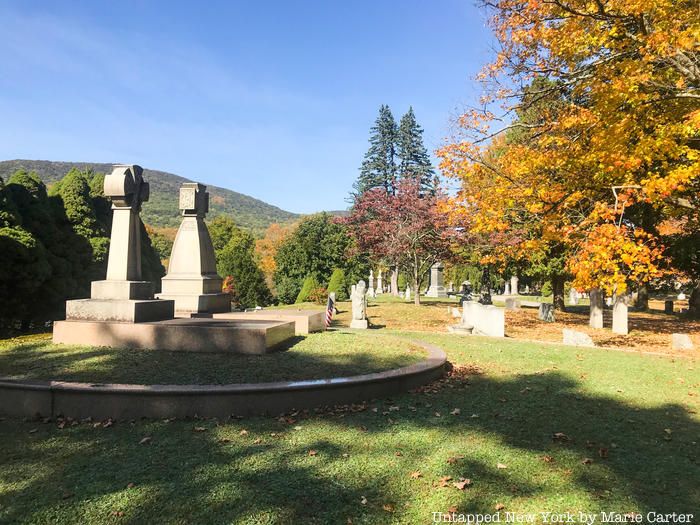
(330, 308)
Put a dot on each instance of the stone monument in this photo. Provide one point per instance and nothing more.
(123, 296)
(596, 308)
(359, 306)
(514, 285)
(370, 290)
(380, 286)
(407, 296)
(437, 286)
(192, 281)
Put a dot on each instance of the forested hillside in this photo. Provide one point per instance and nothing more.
(161, 210)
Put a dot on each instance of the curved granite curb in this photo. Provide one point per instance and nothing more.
(125, 401)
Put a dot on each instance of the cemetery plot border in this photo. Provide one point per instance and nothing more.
(123, 401)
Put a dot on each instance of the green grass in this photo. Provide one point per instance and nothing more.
(316, 356)
(642, 410)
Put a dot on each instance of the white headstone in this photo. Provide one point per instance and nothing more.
(681, 342)
(576, 338)
(359, 306)
(514, 285)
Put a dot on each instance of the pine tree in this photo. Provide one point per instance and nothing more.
(379, 166)
(414, 161)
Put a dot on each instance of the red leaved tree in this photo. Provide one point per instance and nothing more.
(407, 227)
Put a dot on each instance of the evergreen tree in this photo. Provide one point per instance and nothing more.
(379, 166)
(414, 161)
(237, 260)
(310, 284)
(338, 285)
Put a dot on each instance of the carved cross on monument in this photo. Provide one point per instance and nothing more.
(127, 189)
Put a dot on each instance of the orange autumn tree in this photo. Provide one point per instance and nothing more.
(594, 95)
(266, 248)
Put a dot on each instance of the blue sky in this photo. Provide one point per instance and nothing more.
(271, 99)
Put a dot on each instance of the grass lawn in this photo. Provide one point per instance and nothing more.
(534, 428)
(316, 356)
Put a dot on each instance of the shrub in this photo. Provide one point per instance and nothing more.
(318, 295)
(337, 284)
(546, 289)
(310, 283)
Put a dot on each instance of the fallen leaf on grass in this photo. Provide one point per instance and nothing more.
(500, 506)
(548, 459)
(560, 436)
(456, 412)
(313, 453)
(33, 430)
(452, 460)
(130, 485)
(452, 509)
(118, 513)
(363, 500)
(417, 474)
(200, 429)
(257, 441)
(145, 441)
(243, 432)
(388, 507)
(224, 440)
(587, 461)
(445, 481)
(501, 466)
(399, 453)
(462, 483)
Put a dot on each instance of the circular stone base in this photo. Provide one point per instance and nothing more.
(122, 401)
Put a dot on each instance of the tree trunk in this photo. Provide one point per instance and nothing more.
(395, 280)
(558, 292)
(416, 284)
(642, 302)
(485, 287)
(694, 302)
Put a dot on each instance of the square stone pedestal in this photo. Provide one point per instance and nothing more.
(359, 323)
(208, 303)
(122, 310)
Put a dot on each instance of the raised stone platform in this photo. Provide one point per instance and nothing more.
(185, 335)
(121, 401)
(305, 321)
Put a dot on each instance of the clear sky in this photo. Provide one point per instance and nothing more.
(269, 98)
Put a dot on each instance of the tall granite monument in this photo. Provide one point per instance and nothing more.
(192, 281)
(123, 296)
(437, 284)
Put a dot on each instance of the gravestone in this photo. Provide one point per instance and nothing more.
(573, 296)
(451, 287)
(407, 295)
(380, 284)
(437, 286)
(620, 324)
(668, 307)
(481, 319)
(576, 338)
(681, 342)
(359, 306)
(506, 290)
(512, 303)
(596, 308)
(192, 281)
(123, 296)
(514, 285)
(546, 312)
(681, 297)
(370, 290)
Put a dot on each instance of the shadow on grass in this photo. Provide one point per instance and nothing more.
(297, 359)
(619, 456)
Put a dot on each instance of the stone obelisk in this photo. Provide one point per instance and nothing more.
(123, 295)
(192, 281)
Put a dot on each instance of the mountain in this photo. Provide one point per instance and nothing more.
(161, 209)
